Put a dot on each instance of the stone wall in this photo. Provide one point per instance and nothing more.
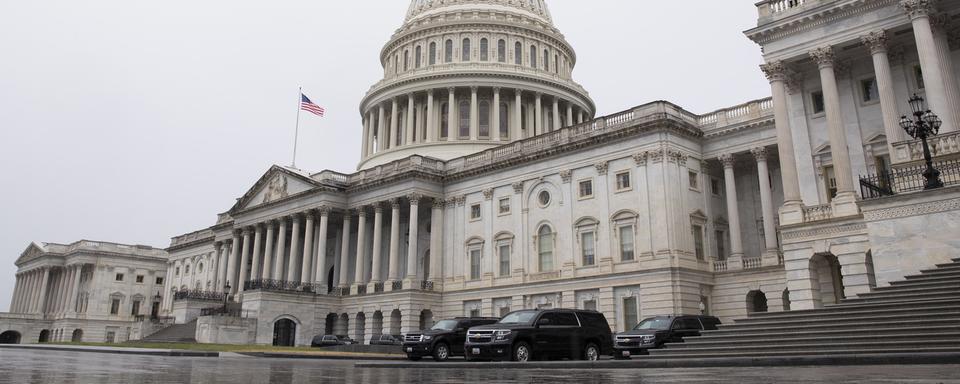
(226, 330)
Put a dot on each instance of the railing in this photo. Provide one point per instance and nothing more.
(817, 213)
(378, 288)
(770, 8)
(225, 312)
(362, 289)
(397, 285)
(906, 180)
(940, 145)
(719, 265)
(198, 295)
(283, 286)
(426, 286)
(752, 263)
(741, 113)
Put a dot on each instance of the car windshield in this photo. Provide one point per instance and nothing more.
(523, 317)
(445, 325)
(660, 323)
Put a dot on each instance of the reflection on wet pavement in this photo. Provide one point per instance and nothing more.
(24, 366)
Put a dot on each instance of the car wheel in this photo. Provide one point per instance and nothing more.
(522, 352)
(441, 352)
(414, 358)
(591, 352)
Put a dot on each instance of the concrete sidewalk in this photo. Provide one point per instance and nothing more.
(113, 350)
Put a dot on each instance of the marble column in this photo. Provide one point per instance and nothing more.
(365, 138)
(293, 262)
(556, 114)
(394, 266)
(414, 236)
(268, 251)
(432, 132)
(538, 114)
(23, 306)
(733, 209)
(394, 124)
(935, 85)
(877, 41)
(233, 262)
(381, 129)
(474, 115)
(358, 273)
(766, 201)
(75, 291)
(436, 240)
(16, 294)
(244, 261)
(255, 268)
(321, 272)
(345, 252)
(516, 133)
(569, 114)
(33, 292)
(409, 133)
(375, 275)
(281, 250)
(844, 204)
(580, 117)
(792, 210)
(452, 130)
(44, 283)
(215, 266)
(63, 280)
(495, 121)
(941, 27)
(307, 259)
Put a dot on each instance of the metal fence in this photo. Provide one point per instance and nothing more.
(906, 180)
(198, 295)
(283, 286)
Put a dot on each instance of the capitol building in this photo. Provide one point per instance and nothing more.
(487, 183)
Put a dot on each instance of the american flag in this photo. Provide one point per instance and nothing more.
(309, 106)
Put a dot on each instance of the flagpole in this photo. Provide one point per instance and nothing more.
(296, 132)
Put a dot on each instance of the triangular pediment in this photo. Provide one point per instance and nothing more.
(33, 251)
(276, 184)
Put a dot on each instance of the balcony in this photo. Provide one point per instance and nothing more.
(907, 180)
(940, 145)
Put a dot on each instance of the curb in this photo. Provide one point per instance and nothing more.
(117, 351)
(786, 361)
(279, 355)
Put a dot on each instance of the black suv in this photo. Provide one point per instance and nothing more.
(653, 332)
(542, 334)
(443, 340)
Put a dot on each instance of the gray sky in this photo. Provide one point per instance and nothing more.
(135, 121)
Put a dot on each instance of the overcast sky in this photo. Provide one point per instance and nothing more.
(134, 121)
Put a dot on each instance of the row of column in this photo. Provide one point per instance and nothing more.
(383, 132)
(45, 290)
(766, 203)
(941, 90)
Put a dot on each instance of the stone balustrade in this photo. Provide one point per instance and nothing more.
(940, 145)
(719, 265)
(749, 111)
(817, 213)
(771, 9)
(752, 262)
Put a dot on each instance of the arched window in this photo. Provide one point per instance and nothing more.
(502, 51)
(464, 111)
(419, 56)
(533, 56)
(518, 54)
(546, 60)
(484, 46)
(448, 52)
(465, 50)
(433, 53)
(444, 120)
(545, 248)
(406, 60)
(396, 64)
(556, 64)
(484, 119)
(504, 120)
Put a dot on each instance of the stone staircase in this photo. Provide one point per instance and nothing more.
(178, 333)
(918, 315)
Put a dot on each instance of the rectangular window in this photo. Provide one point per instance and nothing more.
(586, 189)
(504, 205)
(816, 102)
(140, 279)
(504, 260)
(721, 241)
(119, 277)
(918, 75)
(159, 281)
(694, 180)
(474, 313)
(830, 181)
(475, 212)
(869, 91)
(588, 248)
(590, 305)
(698, 241)
(626, 243)
(475, 264)
(136, 308)
(111, 337)
(715, 187)
(630, 317)
(115, 307)
(504, 311)
(178, 271)
(623, 181)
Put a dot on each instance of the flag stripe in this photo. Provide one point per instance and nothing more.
(309, 106)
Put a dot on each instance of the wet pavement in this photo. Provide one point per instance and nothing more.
(27, 366)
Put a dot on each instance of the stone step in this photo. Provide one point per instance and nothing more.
(953, 286)
(901, 298)
(664, 354)
(919, 292)
(910, 284)
(865, 309)
(925, 279)
(911, 336)
(178, 333)
(950, 318)
(952, 267)
(813, 347)
(832, 333)
(932, 274)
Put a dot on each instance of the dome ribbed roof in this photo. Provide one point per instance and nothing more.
(532, 8)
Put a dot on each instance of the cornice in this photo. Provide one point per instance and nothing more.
(813, 18)
(736, 128)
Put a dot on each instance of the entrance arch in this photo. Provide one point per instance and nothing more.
(395, 322)
(360, 326)
(77, 336)
(426, 319)
(284, 333)
(330, 324)
(826, 280)
(10, 337)
(756, 302)
(343, 326)
(44, 336)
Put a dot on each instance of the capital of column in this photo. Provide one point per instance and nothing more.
(566, 175)
(488, 194)
(474, 88)
(602, 167)
(640, 159)
(916, 9)
(324, 211)
(461, 200)
(414, 198)
(496, 89)
(774, 71)
(728, 160)
(760, 153)
(395, 203)
(297, 218)
(518, 187)
(218, 244)
(377, 208)
(452, 90)
(823, 56)
(361, 211)
(876, 41)
(439, 203)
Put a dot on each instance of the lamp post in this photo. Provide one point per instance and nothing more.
(226, 296)
(925, 124)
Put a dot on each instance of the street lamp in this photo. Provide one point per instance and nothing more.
(226, 296)
(925, 125)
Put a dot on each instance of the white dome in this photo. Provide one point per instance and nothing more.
(532, 8)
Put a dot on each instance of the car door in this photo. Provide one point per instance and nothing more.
(545, 334)
(459, 337)
(568, 336)
(689, 327)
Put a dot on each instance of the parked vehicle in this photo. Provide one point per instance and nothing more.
(653, 332)
(386, 340)
(325, 341)
(443, 340)
(346, 340)
(542, 334)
